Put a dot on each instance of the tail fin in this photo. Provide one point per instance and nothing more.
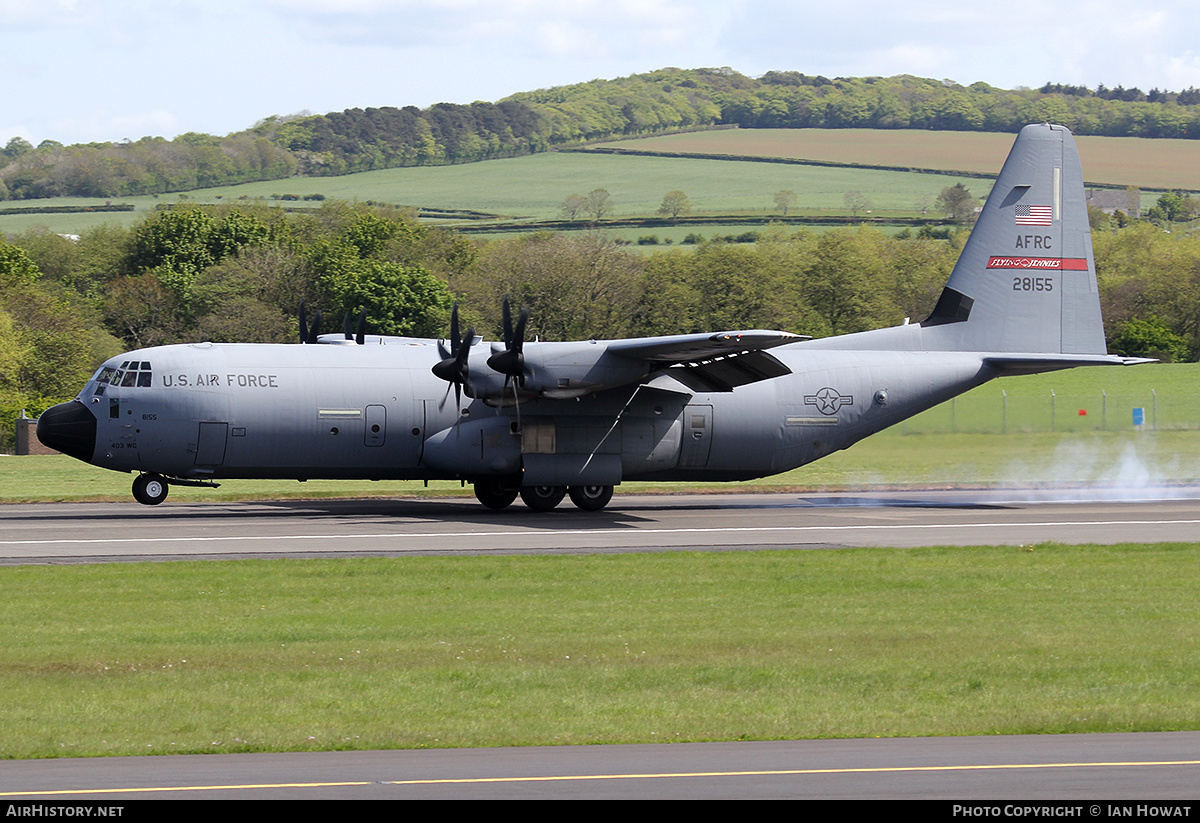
(1026, 280)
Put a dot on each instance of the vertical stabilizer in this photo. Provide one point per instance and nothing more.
(1026, 279)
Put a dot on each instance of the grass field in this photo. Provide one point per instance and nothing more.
(535, 187)
(292, 655)
(1124, 161)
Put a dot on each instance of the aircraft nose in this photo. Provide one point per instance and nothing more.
(70, 428)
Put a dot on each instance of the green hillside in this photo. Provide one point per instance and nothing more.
(530, 122)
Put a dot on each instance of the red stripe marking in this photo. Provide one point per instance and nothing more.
(1050, 263)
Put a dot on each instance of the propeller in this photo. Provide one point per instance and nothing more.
(309, 335)
(453, 368)
(360, 336)
(511, 361)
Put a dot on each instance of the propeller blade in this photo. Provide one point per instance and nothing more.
(511, 361)
(361, 337)
(456, 369)
(453, 339)
(508, 326)
(346, 326)
(315, 331)
(303, 323)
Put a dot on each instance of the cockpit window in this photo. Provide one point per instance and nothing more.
(130, 373)
(102, 377)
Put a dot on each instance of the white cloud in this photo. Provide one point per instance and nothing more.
(75, 69)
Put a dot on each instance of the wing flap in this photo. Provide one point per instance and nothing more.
(724, 374)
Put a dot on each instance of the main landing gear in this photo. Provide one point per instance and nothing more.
(499, 493)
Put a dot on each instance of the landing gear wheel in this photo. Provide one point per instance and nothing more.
(149, 489)
(496, 493)
(591, 498)
(543, 498)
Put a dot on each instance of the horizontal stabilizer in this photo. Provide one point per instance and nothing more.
(1012, 364)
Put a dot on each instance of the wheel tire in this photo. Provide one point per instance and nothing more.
(495, 493)
(543, 498)
(150, 489)
(591, 498)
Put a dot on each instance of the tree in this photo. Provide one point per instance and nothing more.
(1174, 207)
(599, 203)
(675, 203)
(856, 201)
(17, 147)
(785, 199)
(847, 281)
(957, 203)
(179, 244)
(401, 300)
(51, 341)
(143, 311)
(16, 267)
(573, 206)
(577, 285)
(1149, 338)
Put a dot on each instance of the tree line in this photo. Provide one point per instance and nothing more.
(357, 140)
(239, 274)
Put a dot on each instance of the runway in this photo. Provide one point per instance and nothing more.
(1154, 767)
(1157, 766)
(108, 532)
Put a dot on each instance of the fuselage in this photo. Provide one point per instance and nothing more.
(208, 411)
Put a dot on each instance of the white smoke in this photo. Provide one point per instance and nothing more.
(1090, 470)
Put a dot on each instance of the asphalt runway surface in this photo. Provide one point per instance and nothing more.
(1144, 767)
(107, 532)
(1089, 768)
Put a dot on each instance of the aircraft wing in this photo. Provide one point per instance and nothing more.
(695, 348)
(564, 370)
(711, 362)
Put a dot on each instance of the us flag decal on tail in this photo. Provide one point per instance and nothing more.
(1034, 215)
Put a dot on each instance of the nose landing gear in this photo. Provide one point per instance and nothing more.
(150, 489)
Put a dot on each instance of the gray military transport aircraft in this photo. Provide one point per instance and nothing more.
(546, 419)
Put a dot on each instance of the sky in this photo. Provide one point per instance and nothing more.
(109, 70)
